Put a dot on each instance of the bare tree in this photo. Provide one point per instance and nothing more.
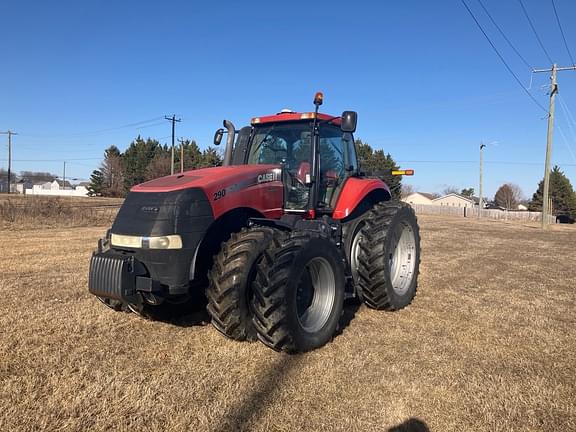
(158, 167)
(113, 173)
(508, 196)
(406, 190)
(450, 189)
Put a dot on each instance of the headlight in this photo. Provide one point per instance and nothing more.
(138, 242)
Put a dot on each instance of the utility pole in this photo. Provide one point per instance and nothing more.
(9, 133)
(553, 90)
(480, 203)
(64, 177)
(181, 141)
(173, 120)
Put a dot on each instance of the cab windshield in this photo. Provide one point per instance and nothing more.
(287, 143)
(290, 145)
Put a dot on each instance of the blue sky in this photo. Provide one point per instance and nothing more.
(424, 81)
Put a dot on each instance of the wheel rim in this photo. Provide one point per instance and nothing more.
(315, 295)
(402, 258)
(355, 253)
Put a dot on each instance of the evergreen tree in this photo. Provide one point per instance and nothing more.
(379, 164)
(364, 154)
(192, 155)
(96, 183)
(210, 158)
(561, 193)
(467, 192)
(137, 158)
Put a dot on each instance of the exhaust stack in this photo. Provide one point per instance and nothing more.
(229, 142)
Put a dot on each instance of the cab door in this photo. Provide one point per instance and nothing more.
(337, 163)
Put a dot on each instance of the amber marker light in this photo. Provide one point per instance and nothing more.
(318, 98)
(408, 172)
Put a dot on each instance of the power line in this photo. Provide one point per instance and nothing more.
(546, 204)
(502, 59)
(504, 36)
(51, 160)
(566, 143)
(495, 162)
(562, 32)
(100, 131)
(534, 30)
(566, 108)
(570, 121)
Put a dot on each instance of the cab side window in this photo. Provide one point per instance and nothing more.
(334, 163)
(350, 159)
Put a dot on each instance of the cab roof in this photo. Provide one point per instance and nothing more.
(293, 116)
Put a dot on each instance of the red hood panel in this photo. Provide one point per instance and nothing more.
(202, 178)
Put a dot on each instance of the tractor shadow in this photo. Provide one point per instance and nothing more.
(351, 307)
(253, 406)
(189, 313)
(410, 425)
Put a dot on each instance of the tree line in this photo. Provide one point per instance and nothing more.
(509, 195)
(143, 160)
(561, 193)
(147, 159)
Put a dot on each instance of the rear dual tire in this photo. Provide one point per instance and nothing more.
(388, 256)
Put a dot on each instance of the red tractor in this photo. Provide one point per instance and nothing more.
(277, 238)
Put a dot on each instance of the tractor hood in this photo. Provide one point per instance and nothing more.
(210, 178)
(190, 201)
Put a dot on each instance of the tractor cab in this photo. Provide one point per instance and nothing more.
(315, 152)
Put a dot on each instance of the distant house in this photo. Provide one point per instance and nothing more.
(57, 188)
(419, 198)
(455, 200)
(22, 185)
(63, 184)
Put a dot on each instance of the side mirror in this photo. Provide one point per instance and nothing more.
(349, 120)
(218, 136)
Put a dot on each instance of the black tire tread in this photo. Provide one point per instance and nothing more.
(373, 258)
(268, 306)
(225, 293)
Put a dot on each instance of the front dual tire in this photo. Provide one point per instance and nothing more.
(289, 287)
(298, 293)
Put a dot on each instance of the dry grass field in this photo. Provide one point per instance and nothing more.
(19, 212)
(488, 345)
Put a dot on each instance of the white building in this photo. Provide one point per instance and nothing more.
(454, 200)
(419, 198)
(57, 188)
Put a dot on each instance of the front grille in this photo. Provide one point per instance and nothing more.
(111, 276)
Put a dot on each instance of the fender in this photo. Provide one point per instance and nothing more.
(353, 193)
